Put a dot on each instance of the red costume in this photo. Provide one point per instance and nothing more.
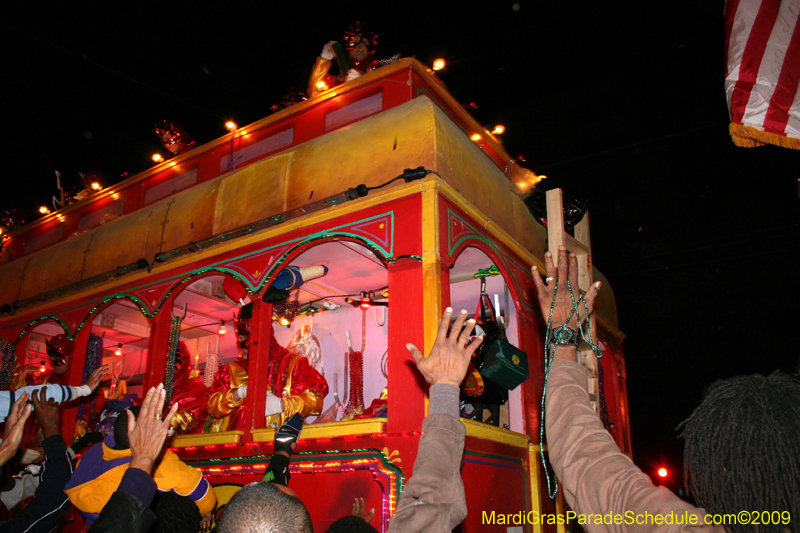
(289, 377)
(190, 394)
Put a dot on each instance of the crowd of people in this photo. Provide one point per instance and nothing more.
(742, 452)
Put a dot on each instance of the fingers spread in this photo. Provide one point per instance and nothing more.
(131, 421)
(415, 353)
(466, 332)
(592, 294)
(456, 329)
(548, 265)
(472, 346)
(541, 290)
(562, 265)
(573, 271)
(168, 419)
(444, 324)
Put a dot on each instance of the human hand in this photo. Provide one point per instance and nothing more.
(352, 74)
(15, 426)
(450, 355)
(47, 412)
(567, 269)
(360, 510)
(147, 433)
(96, 377)
(205, 521)
(327, 51)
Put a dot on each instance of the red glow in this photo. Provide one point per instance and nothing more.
(231, 445)
(191, 448)
(365, 303)
(221, 331)
(42, 368)
(662, 472)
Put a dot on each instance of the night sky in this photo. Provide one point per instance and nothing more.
(622, 103)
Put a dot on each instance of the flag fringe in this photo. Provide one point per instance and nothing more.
(749, 137)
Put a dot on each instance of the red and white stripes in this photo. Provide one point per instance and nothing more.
(763, 71)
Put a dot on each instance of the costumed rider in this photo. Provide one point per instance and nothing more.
(353, 61)
(59, 350)
(189, 393)
(294, 386)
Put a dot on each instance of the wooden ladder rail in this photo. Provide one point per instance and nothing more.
(581, 246)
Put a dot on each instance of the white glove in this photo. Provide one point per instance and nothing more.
(273, 406)
(352, 74)
(242, 392)
(327, 51)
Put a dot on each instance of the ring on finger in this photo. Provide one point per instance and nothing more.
(548, 280)
(158, 417)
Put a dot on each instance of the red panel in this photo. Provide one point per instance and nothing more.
(407, 388)
(258, 365)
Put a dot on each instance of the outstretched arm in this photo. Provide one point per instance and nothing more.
(49, 503)
(596, 477)
(434, 499)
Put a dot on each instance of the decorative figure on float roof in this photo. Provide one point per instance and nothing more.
(355, 60)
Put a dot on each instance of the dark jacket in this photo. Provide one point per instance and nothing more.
(49, 503)
(128, 510)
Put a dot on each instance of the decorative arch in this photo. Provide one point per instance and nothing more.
(299, 248)
(106, 302)
(43, 319)
(195, 275)
(461, 234)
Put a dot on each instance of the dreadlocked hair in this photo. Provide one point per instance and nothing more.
(742, 449)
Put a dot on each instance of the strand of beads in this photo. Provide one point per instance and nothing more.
(172, 350)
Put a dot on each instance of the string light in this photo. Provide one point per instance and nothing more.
(44, 210)
(118, 351)
(439, 64)
(499, 129)
(231, 125)
(158, 158)
(96, 186)
(42, 368)
(221, 331)
(321, 85)
(476, 137)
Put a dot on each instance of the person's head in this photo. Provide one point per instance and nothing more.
(742, 448)
(121, 429)
(175, 514)
(242, 324)
(183, 366)
(351, 524)
(360, 43)
(59, 348)
(264, 508)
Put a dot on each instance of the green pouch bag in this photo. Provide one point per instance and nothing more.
(505, 364)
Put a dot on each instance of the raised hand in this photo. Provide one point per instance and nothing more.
(450, 355)
(147, 433)
(360, 510)
(567, 269)
(96, 377)
(15, 427)
(47, 412)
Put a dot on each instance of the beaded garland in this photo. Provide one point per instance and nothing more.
(355, 402)
(172, 350)
(287, 309)
(549, 354)
(9, 360)
(94, 358)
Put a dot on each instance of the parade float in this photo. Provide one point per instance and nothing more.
(173, 254)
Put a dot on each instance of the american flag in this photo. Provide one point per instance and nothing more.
(762, 71)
